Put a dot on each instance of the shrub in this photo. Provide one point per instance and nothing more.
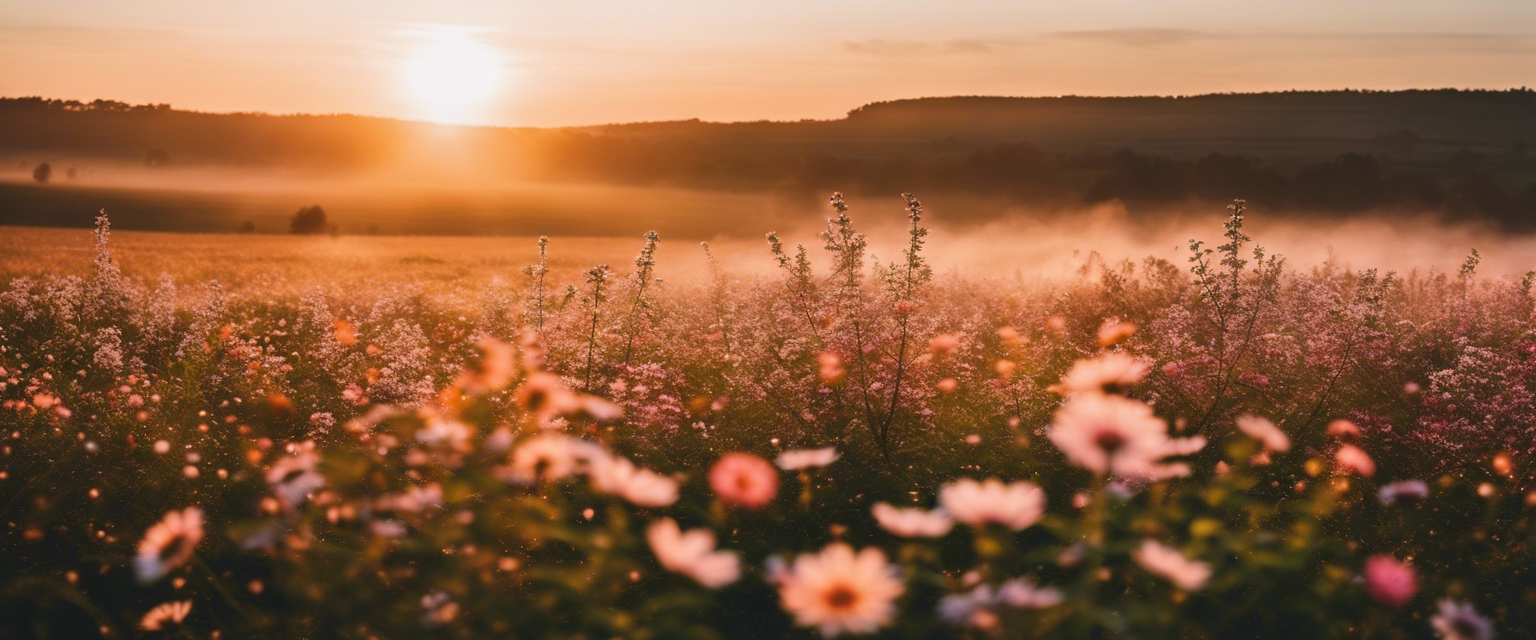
(311, 220)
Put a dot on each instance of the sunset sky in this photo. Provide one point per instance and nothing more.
(595, 61)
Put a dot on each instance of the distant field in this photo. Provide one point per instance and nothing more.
(282, 263)
(216, 203)
(463, 267)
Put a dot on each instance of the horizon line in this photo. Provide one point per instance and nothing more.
(697, 120)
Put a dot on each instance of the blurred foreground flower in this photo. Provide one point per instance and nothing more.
(1016, 505)
(744, 480)
(169, 544)
(1158, 558)
(1116, 435)
(1111, 372)
(551, 456)
(978, 607)
(1390, 581)
(1113, 332)
(801, 459)
(912, 523)
(837, 591)
(1459, 621)
(1404, 492)
(1265, 432)
(692, 554)
(166, 615)
(1354, 460)
(642, 487)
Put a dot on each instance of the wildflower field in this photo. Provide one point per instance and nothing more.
(1206, 445)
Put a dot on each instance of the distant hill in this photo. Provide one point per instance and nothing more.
(1465, 153)
(1231, 123)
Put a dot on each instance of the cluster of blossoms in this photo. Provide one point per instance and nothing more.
(873, 451)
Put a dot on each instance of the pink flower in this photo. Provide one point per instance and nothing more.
(1113, 332)
(1343, 430)
(802, 459)
(1016, 505)
(944, 343)
(1163, 560)
(912, 523)
(1110, 372)
(1116, 435)
(168, 544)
(1352, 459)
(1389, 581)
(1265, 432)
(744, 480)
(641, 487)
(840, 591)
(692, 553)
(165, 615)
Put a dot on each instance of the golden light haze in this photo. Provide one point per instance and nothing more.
(591, 61)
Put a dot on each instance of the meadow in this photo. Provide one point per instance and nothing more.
(271, 436)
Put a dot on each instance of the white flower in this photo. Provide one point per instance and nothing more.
(414, 500)
(1403, 492)
(439, 607)
(165, 615)
(798, 459)
(547, 398)
(978, 606)
(1023, 593)
(293, 477)
(1015, 505)
(912, 523)
(1461, 622)
(1265, 432)
(169, 544)
(552, 456)
(692, 554)
(1186, 574)
(1112, 371)
(837, 591)
(445, 433)
(1113, 434)
(969, 607)
(642, 487)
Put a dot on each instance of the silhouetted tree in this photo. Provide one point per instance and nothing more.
(1481, 194)
(1133, 177)
(310, 220)
(71, 173)
(42, 172)
(1353, 182)
(156, 158)
(248, 227)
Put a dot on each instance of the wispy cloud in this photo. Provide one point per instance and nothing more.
(1172, 38)
(1137, 37)
(1439, 41)
(899, 48)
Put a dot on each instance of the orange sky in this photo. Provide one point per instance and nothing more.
(594, 61)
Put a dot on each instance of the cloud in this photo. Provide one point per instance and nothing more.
(1137, 37)
(1432, 41)
(901, 48)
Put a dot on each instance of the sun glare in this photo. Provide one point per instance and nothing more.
(451, 77)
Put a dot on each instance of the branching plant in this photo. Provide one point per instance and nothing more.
(536, 287)
(597, 278)
(645, 263)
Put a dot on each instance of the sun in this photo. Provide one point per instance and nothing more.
(451, 77)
